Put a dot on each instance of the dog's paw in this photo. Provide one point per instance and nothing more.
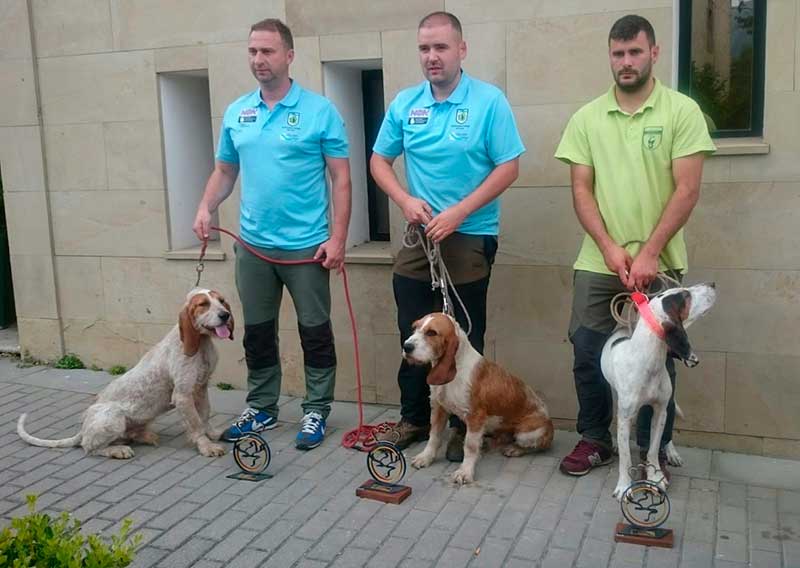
(673, 457)
(619, 490)
(211, 450)
(462, 476)
(149, 438)
(119, 452)
(514, 451)
(214, 434)
(422, 460)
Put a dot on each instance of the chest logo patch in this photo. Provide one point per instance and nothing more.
(651, 138)
(248, 115)
(419, 115)
(293, 119)
(462, 115)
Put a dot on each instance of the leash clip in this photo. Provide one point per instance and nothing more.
(200, 264)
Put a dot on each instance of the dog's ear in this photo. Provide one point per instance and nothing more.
(445, 369)
(676, 307)
(190, 337)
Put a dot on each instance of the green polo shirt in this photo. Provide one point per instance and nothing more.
(631, 155)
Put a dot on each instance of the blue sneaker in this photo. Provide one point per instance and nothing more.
(251, 420)
(312, 431)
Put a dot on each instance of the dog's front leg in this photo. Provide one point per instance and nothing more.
(195, 427)
(624, 420)
(204, 410)
(654, 472)
(438, 420)
(472, 450)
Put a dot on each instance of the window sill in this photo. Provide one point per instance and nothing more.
(213, 252)
(740, 146)
(376, 252)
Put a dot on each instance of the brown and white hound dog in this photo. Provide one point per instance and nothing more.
(484, 395)
(173, 374)
(633, 364)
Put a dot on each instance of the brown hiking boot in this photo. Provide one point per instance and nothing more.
(455, 446)
(403, 434)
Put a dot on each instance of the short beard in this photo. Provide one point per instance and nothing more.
(644, 78)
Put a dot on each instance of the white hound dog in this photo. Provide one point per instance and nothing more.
(635, 367)
(481, 393)
(173, 374)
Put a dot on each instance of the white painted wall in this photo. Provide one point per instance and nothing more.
(343, 87)
(188, 150)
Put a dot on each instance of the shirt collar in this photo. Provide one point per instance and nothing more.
(456, 97)
(290, 99)
(613, 106)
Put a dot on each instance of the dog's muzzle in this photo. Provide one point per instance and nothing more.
(692, 361)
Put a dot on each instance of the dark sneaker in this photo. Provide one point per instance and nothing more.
(403, 434)
(455, 446)
(584, 457)
(251, 420)
(312, 431)
(662, 463)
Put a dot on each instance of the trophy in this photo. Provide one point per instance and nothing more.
(251, 453)
(645, 505)
(387, 466)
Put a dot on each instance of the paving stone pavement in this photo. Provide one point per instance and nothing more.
(728, 510)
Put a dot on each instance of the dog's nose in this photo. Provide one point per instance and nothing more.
(408, 347)
(224, 316)
(691, 361)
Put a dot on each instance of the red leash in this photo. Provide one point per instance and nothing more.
(363, 437)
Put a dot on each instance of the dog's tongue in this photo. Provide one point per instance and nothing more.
(223, 332)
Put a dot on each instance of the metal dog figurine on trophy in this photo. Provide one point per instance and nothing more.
(252, 454)
(645, 505)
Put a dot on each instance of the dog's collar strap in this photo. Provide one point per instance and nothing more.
(643, 305)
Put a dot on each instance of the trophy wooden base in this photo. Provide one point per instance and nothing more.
(662, 538)
(394, 494)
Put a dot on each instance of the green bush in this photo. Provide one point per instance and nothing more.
(224, 386)
(69, 361)
(41, 540)
(117, 370)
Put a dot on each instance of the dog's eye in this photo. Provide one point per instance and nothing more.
(204, 303)
(430, 333)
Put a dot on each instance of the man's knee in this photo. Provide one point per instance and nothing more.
(261, 345)
(318, 348)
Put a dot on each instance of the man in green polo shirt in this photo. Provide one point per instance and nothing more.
(636, 160)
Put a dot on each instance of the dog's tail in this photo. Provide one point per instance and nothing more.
(63, 443)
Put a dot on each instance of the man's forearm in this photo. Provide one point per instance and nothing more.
(498, 180)
(342, 204)
(675, 216)
(218, 188)
(588, 214)
(386, 178)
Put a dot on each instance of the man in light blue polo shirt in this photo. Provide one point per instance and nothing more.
(461, 148)
(282, 137)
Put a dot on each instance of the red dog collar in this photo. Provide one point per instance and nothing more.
(643, 305)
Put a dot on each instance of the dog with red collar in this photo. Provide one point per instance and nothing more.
(634, 366)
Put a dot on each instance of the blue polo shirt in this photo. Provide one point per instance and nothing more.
(281, 157)
(451, 146)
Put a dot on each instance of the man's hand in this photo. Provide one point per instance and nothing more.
(643, 270)
(202, 223)
(445, 223)
(416, 211)
(332, 253)
(618, 261)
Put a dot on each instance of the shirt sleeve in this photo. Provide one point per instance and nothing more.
(691, 133)
(503, 141)
(334, 135)
(574, 146)
(389, 141)
(226, 150)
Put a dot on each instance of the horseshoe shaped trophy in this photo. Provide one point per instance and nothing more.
(387, 466)
(645, 505)
(252, 454)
